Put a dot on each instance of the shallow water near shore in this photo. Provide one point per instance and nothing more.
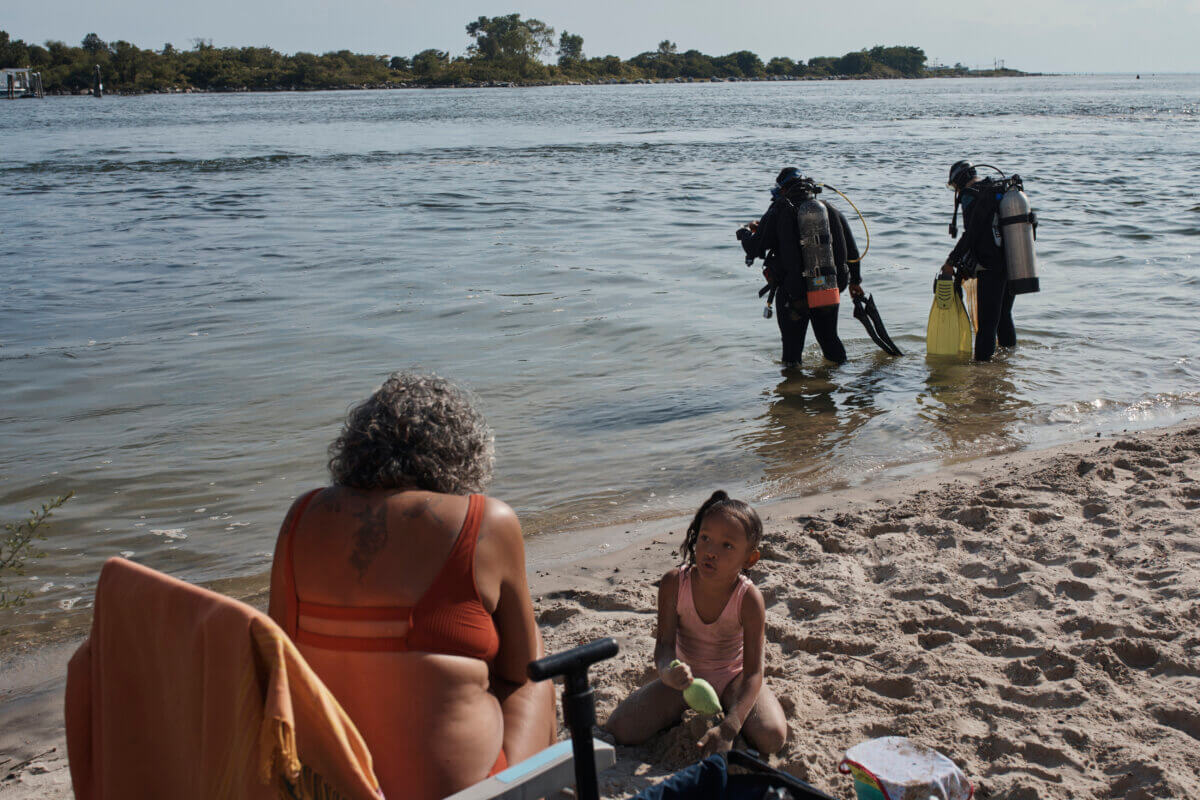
(193, 289)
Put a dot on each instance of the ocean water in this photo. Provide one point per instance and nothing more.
(194, 289)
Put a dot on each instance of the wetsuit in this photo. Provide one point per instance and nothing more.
(978, 253)
(777, 242)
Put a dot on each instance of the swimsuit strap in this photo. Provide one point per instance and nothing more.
(459, 567)
(739, 594)
(292, 622)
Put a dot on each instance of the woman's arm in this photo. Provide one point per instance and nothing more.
(528, 707)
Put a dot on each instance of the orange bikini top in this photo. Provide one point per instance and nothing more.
(449, 618)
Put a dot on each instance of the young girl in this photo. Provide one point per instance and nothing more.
(711, 618)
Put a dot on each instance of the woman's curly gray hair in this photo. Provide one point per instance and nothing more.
(415, 432)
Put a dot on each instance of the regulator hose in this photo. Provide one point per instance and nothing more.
(866, 231)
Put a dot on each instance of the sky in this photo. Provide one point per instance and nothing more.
(1033, 35)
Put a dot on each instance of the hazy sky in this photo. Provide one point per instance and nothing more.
(1034, 35)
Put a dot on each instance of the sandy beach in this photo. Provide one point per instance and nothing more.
(1033, 616)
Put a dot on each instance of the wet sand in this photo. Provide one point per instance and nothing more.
(1033, 616)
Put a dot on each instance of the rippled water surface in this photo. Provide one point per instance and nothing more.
(193, 289)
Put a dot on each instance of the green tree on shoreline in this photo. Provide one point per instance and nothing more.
(504, 49)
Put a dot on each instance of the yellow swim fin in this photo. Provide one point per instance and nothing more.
(948, 332)
(971, 297)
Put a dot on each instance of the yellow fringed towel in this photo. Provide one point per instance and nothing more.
(185, 693)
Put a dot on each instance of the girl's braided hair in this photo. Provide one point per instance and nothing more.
(721, 503)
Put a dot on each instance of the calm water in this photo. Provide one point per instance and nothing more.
(193, 289)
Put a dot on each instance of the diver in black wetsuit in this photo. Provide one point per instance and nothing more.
(775, 239)
(980, 254)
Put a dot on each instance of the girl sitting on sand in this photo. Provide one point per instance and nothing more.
(711, 618)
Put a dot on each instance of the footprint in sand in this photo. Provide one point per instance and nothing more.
(977, 518)
(949, 623)
(894, 688)
(1023, 673)
(1056, 665)
(558, 614)
(1046, 698)
(1141, 780)
(1049, 757)
(1179, 718)
(1076, 590)
(934, 639)
(808, 606)
(1136, 653)
(1098, 655)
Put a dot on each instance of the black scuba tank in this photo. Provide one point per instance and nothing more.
(816, 254)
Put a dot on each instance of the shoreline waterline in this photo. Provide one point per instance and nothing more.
(550, 549)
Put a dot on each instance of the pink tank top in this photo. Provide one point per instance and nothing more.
(709, 647)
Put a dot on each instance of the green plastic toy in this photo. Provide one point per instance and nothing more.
(700, 695)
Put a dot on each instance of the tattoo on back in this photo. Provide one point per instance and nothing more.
(370, 537)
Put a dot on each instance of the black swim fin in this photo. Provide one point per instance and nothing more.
(873, 312)
(866, 313)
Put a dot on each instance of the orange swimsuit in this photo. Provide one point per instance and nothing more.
(449, 618)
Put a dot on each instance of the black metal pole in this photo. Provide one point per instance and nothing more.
(579, 706)
(579, 709)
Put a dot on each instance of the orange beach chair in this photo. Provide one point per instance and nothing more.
(182, 692)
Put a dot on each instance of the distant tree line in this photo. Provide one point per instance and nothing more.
(505, 49)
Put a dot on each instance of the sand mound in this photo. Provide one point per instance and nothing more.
(1039, 626)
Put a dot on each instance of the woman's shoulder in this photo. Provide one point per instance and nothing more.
(299, 506)
(498, 512)
(499, 533)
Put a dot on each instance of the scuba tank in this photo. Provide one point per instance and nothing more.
(1018, 229)
(816, 254)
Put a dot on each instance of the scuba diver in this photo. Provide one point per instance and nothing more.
(996, 248)
(809, 257)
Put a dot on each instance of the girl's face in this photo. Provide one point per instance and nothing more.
(722, 549)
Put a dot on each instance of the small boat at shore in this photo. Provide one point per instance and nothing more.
(18, 83)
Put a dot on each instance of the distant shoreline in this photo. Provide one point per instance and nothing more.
(542, 84)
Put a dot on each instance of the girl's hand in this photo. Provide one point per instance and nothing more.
(716, 739)
(678, 676)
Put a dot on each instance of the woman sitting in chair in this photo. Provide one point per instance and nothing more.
(406, 593)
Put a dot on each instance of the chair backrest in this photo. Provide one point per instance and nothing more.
(182, 692)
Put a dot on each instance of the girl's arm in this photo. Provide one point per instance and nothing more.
(668, 623)
(753, 618)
